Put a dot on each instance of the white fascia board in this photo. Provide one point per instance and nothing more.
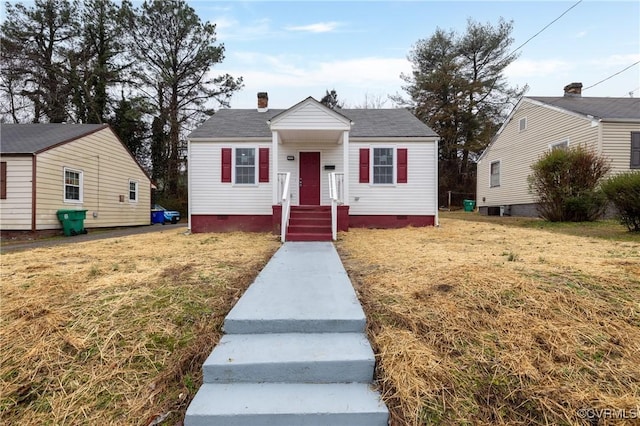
(408, 139)
(232, 139)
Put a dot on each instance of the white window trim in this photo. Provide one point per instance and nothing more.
(499, 174)
(526, 123)
(255, 166)
(64, 185)
(558, 143)
(372, 165)
(135, 200)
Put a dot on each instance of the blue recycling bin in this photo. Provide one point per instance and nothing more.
(157, 216)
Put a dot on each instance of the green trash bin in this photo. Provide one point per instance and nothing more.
(469, 205)
(72, 221)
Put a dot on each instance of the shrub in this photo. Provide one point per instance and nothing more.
(565, 182)
(623, 191)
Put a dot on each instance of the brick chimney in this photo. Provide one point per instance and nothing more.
(573, 89)
(263, 101)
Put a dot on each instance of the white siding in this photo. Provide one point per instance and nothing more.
(208, 195)
(518, 150)
(15, 210)
(329, 154)
(416, 197)
(107, 167)
(309, 115)
(616, 144)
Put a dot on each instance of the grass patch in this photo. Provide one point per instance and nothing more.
(116, 331)
(499, 321)
(601, 229)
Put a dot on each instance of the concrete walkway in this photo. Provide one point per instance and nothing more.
(294, 352)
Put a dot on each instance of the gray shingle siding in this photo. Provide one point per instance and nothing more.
(34, 138)
(366, 123)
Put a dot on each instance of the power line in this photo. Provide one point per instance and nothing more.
(545, 27)
(611, 76)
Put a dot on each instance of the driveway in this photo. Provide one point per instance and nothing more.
(92, 235)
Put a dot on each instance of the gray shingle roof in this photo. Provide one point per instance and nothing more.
(34, 138)
(366, 123)
(603, 108)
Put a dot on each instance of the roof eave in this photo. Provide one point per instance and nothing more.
(231, 139)
(393, 138)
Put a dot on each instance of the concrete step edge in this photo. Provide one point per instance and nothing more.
(291, 357)
(284, 404)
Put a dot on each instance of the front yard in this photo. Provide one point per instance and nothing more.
(492, 321)
(475, 322)
(115, 331)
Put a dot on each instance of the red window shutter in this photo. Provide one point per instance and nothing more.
(263, 163)
(226, 164)
(364, 165)
(402, 165)
(3, 180)
(635, 150)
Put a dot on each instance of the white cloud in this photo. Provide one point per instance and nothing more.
(523, 68)
(319, 27)
(618, 60)
(291, 78)
(228, 28)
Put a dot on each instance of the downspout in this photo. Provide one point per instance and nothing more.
(600, 143)
(189, 192)
(276, 165)
(345, 167)
(33, 193)
(95, 214)
(435, 193)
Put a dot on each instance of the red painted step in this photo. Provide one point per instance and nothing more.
(309, 223)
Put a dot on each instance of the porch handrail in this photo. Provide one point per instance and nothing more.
(284, 181)
(336, 189)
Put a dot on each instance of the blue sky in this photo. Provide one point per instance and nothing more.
(297, 49)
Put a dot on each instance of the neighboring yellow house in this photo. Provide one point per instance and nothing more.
(607, 126)
(48, 167)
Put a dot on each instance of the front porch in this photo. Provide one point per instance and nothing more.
(310, 158)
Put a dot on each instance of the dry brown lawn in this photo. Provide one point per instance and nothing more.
(482, 323)
(472, 323)
(115, 331)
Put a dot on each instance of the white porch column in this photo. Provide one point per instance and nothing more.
(274, 162)
(345, 159)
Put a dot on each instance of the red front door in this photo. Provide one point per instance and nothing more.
(309, 179)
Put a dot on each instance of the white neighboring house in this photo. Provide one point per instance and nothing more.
(51, 167)
(607, 126)
(376, 167)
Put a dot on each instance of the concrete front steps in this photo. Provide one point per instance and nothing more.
(295, 352)
(309, 223)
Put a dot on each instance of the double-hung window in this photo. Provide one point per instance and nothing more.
(133, 191)
(72, 185)
(245, 166)
(383, 164)
(522, 124)
(559, 145)
(495, 174)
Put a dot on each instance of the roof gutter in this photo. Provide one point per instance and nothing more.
(620, 120)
